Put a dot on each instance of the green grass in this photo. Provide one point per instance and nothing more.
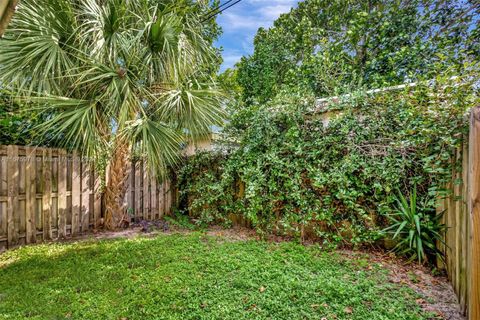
(195, 277)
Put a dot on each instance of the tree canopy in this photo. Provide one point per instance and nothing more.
(332, 46)
(116, 79)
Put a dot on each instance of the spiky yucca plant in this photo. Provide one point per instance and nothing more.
(417, 228)
(116, 77)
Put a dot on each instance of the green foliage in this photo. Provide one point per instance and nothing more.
(338, 179)
(181, 221)
(18, 121)
(416, 226)
(332, 46)
(107, 75)
(197, 277)
(205, 192)
(15, 126)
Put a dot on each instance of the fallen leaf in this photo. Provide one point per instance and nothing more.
(348, 310)
(262, 289)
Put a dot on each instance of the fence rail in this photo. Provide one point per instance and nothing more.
(47, 194)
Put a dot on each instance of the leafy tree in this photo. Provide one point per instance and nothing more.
(332, 46)
(116, 78)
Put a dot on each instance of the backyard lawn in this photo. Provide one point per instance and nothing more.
(195, 276)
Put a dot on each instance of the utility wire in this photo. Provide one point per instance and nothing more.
(217, 9)
(219, 12)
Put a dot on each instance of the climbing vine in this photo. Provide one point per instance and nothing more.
(291, 172)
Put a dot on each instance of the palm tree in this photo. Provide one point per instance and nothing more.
(116, 77)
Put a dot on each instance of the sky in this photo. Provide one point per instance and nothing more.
(241, 22)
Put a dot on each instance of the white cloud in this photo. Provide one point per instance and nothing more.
(233, 21)
(229, 60)
(241, 22)
(273, 12)
(254, 14)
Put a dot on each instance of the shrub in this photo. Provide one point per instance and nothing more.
(417, 227)
(336, 180)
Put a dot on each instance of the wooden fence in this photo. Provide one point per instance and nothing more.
(461, 215)
(146, 198)
(47, 194)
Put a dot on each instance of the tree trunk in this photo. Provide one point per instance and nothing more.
(117, 175)
(7, 15)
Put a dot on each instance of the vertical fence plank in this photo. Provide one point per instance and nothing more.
(168, 196)
(62, 193)
(47, 196)
(30, 195)
(154, 202)
(146, 193)
(474, 171)
(76, 192)
(450, 222)
(85, 198)
(161, 199)
(130, 196)
(138, 190)
(458, 214)
(464, 231)
(12, 202)
(97, 202)
(441, 209)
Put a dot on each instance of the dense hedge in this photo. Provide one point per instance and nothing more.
(339, 178)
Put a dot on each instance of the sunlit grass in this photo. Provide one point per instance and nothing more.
(195, 277)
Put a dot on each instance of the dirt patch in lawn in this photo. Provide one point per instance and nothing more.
(152, 229)
(437, 293)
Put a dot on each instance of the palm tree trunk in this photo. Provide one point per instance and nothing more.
(117, 175)
(6, 15)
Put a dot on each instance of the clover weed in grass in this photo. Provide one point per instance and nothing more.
(194, 277)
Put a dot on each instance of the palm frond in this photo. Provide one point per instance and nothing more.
(155, 141)
(36, 54)
(77, 124)
(192, 109)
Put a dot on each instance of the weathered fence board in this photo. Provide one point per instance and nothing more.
(146, 197)
(461, 215)
(47, 194)
(473, 216)
(76, 194)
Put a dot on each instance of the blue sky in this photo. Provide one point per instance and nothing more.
(241, 22)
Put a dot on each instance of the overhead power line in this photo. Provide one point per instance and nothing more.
(216, 12)
(217, 9)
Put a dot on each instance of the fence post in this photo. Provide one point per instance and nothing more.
(474, 198)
